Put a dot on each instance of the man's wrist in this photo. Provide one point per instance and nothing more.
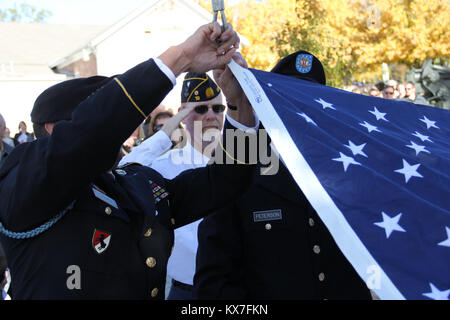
(176, 60)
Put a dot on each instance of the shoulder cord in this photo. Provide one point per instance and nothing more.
(38, 230)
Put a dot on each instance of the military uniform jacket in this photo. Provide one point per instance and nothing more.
(115, 242)
(271, 244)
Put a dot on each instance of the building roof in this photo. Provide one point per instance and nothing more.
(90, 45)
(28, 48)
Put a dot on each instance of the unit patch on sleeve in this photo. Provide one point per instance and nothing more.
(101, 241)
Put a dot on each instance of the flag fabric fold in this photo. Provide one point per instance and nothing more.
(377, 172)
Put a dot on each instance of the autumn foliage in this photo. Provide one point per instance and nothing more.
(352, 38)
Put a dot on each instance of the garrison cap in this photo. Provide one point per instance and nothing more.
(59, 101)
(301, 65)
(198, 87)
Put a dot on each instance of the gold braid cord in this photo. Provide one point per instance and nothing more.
(130, 98)
(231, 157)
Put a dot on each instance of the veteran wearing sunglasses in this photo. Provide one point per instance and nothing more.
(202, 112)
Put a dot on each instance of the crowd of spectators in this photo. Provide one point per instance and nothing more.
(392, 89)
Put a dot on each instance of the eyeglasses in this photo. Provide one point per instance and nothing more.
(203, 108)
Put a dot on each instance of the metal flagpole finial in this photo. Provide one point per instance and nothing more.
(219, 6)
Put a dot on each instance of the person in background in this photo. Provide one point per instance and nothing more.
(412, 96)
(388, 92)
(7, 137)
(401, 89)
(23, 136)
(374, 92)
(357, 90)
(5, 148)
(202, 113)
(158, 120)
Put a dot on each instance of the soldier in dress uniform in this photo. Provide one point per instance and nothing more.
(75, 227)
(270, 243)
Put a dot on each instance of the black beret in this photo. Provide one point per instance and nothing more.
(198, 87)
(301, 65)
(58, 102)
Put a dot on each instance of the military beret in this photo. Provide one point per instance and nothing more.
(301, 65)
(198, 87)
(59, 101)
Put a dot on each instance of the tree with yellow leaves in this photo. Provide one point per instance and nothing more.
(352, 38)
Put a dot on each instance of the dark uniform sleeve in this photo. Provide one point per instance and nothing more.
(41, 178)
(219, 271)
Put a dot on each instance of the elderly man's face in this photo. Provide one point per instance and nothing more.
(2, 127)
(374, 93)
(208, 115)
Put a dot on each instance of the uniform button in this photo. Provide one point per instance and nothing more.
(311, 222)
(108, 210)
(173, 221)
(316, 249)
(321, 276)
(154, 292)
(268, 226)
(151, 262)
(148, 233)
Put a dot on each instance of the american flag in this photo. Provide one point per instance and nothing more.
(377, 172)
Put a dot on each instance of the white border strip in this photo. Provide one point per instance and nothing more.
(346, 239)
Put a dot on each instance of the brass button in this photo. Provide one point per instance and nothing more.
(108, 210)
(154, 292)
(151, 262)
(321, 276)
(148, 233)
(173, 221)
(268, 226)
(316, 249)
(311, 222)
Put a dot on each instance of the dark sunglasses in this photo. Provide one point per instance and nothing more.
(203, 108)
